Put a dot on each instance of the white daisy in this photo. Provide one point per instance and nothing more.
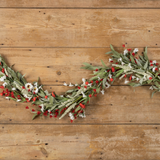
(110, 60)
(151, 88)
(13, 89)
(4, 84)
(65, 84)
(83, 94)
(135, 50)
(35, 89)
(129, 65)
(28, 86)
(70, 85)
(126, 81)
(2, 78)
(102, 91)
(125, 52)
(42, 107)
(84, 81)
(61, 96)
(154, 62)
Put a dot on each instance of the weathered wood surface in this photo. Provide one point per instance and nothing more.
(120, 104)
(81, 3)
(80, 142)
(56, 65)
(51, 40)
(79, 27)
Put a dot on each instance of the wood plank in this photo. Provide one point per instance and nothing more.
(56, 65)
(120, 104)
(79, 142)
(81, 3)
(79, 27)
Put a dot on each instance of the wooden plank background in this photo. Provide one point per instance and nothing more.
(52, 39)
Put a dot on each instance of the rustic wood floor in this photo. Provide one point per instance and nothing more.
(51, 39)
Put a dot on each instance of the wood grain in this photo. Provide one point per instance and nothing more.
(120, 104)
(79, 142)
(79, 28)
(81, 3)
(56, 65)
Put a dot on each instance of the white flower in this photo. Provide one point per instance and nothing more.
(71, 116)
(110, 76)
(4, 84)
(13, 89)
(126, 81)
(84, 81)
(102, 91)
(133, 77)
(122, 63)
(151, 88)
(90, 84)
(65, 84)
(125, 51)
(8, 98)
(26, 96)
(83, 94)
(153, 69)
(70, 85)
(40, 87)
(18, 100)
(35, 89)
(61, 96)
(120, 60)
(29, 86)
(137, 79)
(110, 60)
(35, 84)
(2, 78)
(129, 65)
(76, 84)
(82, 116)
(135, 50)
(154, 62)
(99, 78)
(108, 85)
(42, 107)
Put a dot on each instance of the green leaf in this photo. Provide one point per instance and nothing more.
(146, 65)
(34, 116)
(51, 99)
(103, 63)
(153, 93)
(110, 52)
(145, 53)
(77, 109)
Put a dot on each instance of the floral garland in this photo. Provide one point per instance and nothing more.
(138, 71)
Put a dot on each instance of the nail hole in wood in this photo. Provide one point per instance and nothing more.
(48, 66)
(130, 121)
(148, 30)
(59, 72)
(46, 143)
(2, 44)
(56, 80)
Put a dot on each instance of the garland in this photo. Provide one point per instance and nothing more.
(137, 71)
